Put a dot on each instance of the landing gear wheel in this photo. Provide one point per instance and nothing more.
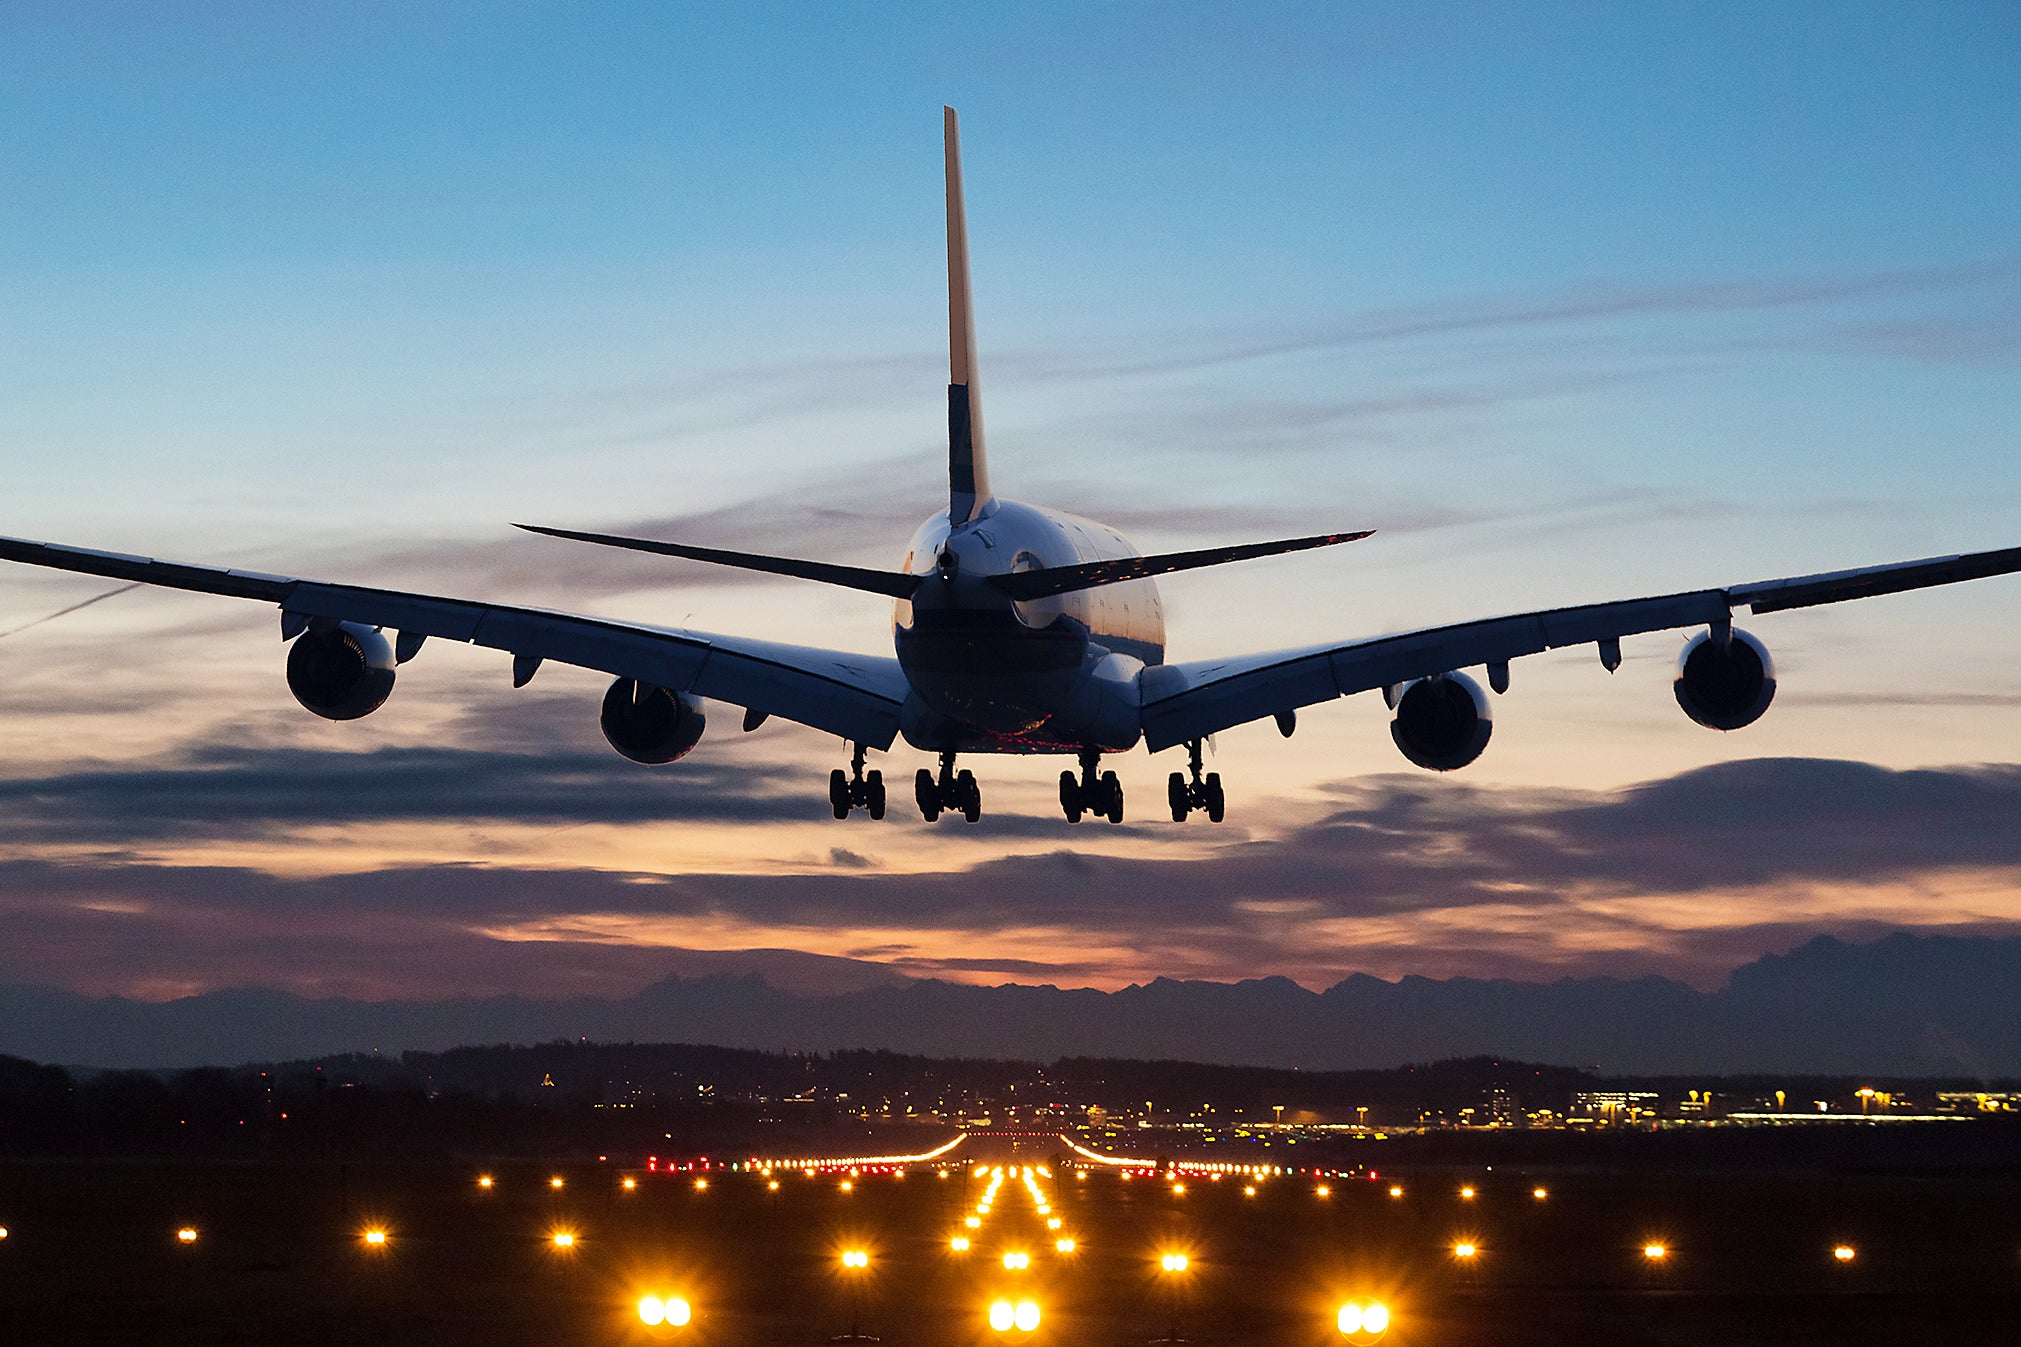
(1070, 797)
(1112, 797)
(838, 792)
(927, 793)
(1217, 803)
(968, 796)
(1175, 794)
(873, 784)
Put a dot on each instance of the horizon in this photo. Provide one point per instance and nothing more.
(1569, 307)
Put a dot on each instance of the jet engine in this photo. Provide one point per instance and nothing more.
(1724, 689)
(341, 672)
(650, 724)
(1442, 723)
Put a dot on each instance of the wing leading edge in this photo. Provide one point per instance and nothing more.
(1183, 702)
(855, 696)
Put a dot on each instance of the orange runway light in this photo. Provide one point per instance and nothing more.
(1322, 1191)
(630, 1184)
(772, 1185)
(673, 1312)
(563, 1239)
(1845, 1253)
(1655, 1253)
(375, 1237)
(959, 1244)
(186, 1235)
(856, 1258)
(484, 1181)
(1396, 1190)
(702, 1185)
(1362, 1321)
(1466, 1248)
(555, 1182)
(1063, 1245)
(1467, 1194)
(848, 1187)
(1540, 1193)
(1173, 1262)
(1016, 1261)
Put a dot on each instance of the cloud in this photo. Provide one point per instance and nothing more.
(1684, 876)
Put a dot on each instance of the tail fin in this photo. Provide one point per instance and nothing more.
(967, 465)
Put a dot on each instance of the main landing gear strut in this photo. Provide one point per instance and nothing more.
(856, 789)
(1101, 795)
(955, 792)
(1187, 795)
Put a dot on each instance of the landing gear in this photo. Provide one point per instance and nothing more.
(856, 789)
(1189, 791)
(952, 791)
(1100, 795)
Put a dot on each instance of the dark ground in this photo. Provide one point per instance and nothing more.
(91, 1257)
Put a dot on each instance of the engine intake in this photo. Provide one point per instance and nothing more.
(1442, 723)
(1725, 689)
(341, 672)
(649, 724)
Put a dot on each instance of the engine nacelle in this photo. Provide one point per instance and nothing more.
(1442, 723)
(650, 724)
(1725, 689)
(341, 672)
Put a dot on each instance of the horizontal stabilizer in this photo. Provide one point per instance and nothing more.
(892, 583)
(1088, 575)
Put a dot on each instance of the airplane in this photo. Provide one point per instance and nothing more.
(1016, 629)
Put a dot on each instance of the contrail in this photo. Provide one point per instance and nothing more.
(63, 612)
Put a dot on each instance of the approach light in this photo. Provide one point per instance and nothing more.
(673, 1312)
(1178, 1190)
(959, 1244)
(1655, 1253)
(1173, 1262)
(973, 1222)
(702, 1185)
(1017, 1261)
(631, 1184)
(1025, 1317)
(1002, 1315)
(564, 1239)
(1540, 1193)
(1465, 1249)
(375, 1237)
(855, 1258)
(1845, 1253)
(848, 1187)
(484, 1181)
(1360, 1321)
(1467, 1193)
(186, 1235)
(556, 1182)
(1322, 1191)
(1396, 1190)
(772, 1185)
(1063, 1245)
(1248, 1190)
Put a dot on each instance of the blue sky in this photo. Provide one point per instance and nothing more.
(1571, 302)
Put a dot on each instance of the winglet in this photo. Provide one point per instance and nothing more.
(967, 465)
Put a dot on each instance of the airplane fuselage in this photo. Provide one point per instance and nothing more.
(994, 674)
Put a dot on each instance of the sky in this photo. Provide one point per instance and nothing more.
(1570, 302)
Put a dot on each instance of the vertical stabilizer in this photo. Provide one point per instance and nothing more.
(967, 466)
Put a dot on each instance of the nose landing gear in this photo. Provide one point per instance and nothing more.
(953, 791)
(1101, 795)
(856, 789)
(1187, 795)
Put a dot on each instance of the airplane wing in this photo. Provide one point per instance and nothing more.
(1183, 702)
(854, 696)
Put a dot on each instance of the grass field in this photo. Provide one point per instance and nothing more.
(91, 1256)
